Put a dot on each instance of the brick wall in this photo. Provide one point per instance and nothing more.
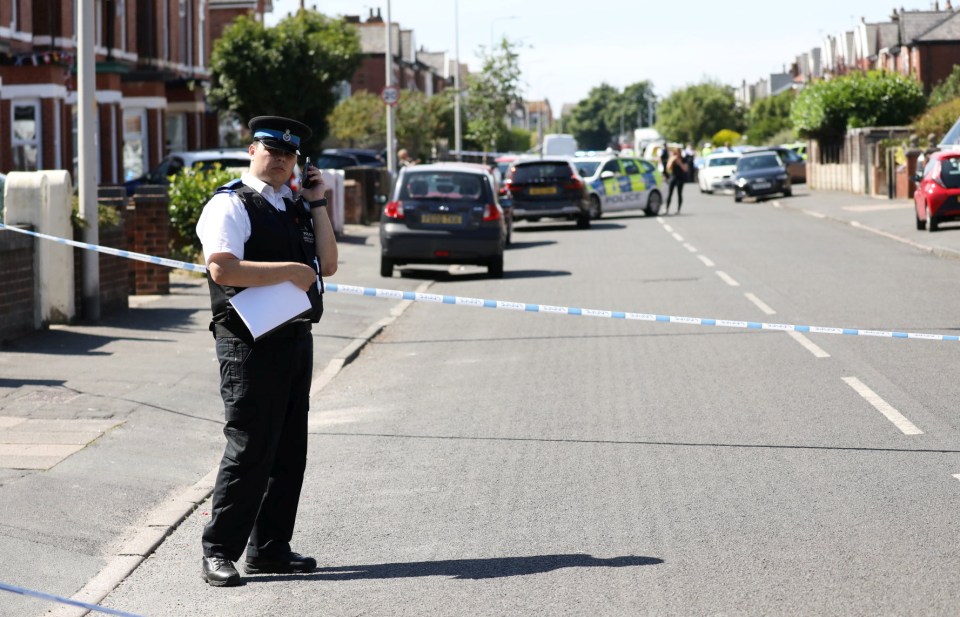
(114, 271)
(148, 231)
(18, 300)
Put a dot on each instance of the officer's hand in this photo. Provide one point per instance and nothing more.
(303, 276)
(318, 190)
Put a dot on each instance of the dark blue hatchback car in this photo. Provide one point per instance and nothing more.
(443, 213)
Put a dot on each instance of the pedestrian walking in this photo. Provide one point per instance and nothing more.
(255, 232)
(664, 157)
(677, 169)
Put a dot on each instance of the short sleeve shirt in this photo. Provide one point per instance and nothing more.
(224, 225)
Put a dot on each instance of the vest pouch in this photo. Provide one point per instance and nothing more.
(316, 303)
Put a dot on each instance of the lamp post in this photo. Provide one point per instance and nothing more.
(391, 151)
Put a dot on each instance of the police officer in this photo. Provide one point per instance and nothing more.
(255, 232)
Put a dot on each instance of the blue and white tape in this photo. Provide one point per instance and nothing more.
(160, 261)
(59, 599)
(525, 307)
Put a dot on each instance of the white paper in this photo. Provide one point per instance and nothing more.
(264, 309)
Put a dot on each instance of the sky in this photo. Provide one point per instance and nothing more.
(566, 48)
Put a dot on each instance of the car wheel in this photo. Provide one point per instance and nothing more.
(921, 223)
(932, 223)
(653, 203)
(737, 196)
(595, 210)
(509, 237)
(533, 219)
(583, 221)
(788, 192)
(495, 268)
(386, 267)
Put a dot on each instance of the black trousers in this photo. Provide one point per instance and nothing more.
(266, 396)
(675, 184)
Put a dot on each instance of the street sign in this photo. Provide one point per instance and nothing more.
(390, 95)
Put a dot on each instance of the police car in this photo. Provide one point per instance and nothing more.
(620, 183)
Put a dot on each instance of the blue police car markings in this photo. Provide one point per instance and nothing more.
(519, 306)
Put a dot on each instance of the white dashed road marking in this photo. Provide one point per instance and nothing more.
(905, 426)
(727, 278)
(706, 261)
(677, 237)
(763, 306)
(817, 215)
(689, 247)
(809, 345)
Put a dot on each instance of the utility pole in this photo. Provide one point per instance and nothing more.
(457, 129)
(391, 151)
(87, 151)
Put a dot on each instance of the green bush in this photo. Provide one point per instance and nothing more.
(189, 191)
(937, 120)
(826, 109)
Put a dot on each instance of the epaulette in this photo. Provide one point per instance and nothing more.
(230, 187)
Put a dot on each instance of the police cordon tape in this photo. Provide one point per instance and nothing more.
(520, 306)
(52, 598)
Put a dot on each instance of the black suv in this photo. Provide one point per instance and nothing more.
(547, 187)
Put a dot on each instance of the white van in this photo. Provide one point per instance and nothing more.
(559, 144)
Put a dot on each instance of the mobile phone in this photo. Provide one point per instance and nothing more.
(305, 182)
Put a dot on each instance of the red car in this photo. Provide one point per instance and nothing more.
(937, 197)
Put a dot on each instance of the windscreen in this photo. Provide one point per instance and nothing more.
(586, 168)
(723, 161)
(539, 172)
(764, 161)
(950, 173)
(449, 186)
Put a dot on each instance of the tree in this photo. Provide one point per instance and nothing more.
(693, 114)
(359, 121)
(587, 121)
(769, 116)
(491, 93)
(289, 70)
(826, 109)
(946, 89)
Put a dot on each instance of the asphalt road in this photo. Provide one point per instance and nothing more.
(492, 462)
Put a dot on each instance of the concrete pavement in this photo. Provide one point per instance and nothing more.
(110, 432)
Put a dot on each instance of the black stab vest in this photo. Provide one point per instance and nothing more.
(274, 236)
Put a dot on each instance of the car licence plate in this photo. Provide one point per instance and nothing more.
(761, 184)
(440, 219)
(543, 190)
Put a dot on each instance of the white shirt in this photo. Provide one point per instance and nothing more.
(224, 225)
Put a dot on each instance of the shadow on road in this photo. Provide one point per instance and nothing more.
(444, 276)
(468, 569)
(535, 227)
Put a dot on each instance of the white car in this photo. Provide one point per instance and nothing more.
(715, 173)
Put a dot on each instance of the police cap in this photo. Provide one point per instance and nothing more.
(280, 133)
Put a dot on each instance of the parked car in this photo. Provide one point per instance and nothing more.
(341, 158)
(937, 197)
(174, 162)
(547, 187)
(620, 183)
(443, 213)
(760, 173)
(795, 165)
(716, 172)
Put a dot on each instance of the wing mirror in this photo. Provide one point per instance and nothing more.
(605, 175)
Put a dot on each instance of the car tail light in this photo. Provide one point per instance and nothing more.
(441, 253)
(491, 212)
(573, 184)
(393, 210)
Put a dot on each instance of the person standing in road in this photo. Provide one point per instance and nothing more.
(255, 232)
(677, 169)
(664, 157)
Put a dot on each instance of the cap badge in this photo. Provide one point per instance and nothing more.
(286, 135)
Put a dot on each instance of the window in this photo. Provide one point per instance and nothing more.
(26, 136)
(134, 143)
(176, 132)
(630, 168)
(613, 166)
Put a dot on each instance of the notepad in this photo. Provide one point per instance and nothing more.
(264, 309)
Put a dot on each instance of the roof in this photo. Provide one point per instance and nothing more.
(475, 168)
(946, 30)
(915, 23)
